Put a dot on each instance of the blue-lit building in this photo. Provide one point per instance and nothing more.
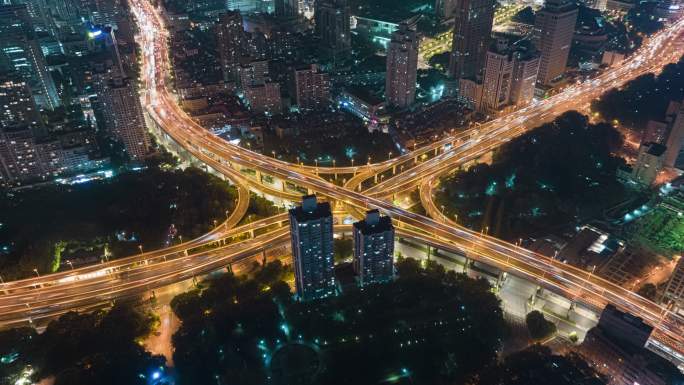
(374, 248)
(311, 231)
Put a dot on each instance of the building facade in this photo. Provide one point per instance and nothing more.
(553, 31)
(123, 114)
(230, 39)
(473, 21)
(649, 163)
(311, 230)
(310, 87)
(332, 19)
(402, 67)
(374, 248)
(264, 98)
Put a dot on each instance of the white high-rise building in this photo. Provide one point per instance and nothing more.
(402, 66)
(374, 248)
(311, 233)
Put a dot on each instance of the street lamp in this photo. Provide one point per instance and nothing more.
(389, 155)
(140, 248)
(37, 273)
(369, 159)
(70, 264)
(273, 152)
(456, 218)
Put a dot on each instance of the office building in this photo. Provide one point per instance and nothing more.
(402, 67)
(264, 98)
(525, 71)
(310, 87)
(123, 116)
(332, 19)
(649, 163)
(374, 248)
(674, 291)
(287, 9)
(21, 53)
(674, 140)
(311, 231)
(496, 86)
(473, 21)
(553, 31)
(231, 43)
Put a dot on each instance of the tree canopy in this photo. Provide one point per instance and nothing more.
(556, 174)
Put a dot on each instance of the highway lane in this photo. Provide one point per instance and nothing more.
(665, 49)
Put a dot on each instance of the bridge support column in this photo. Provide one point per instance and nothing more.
(282, 183)
(394, 170)
(375, 178)
(436, 151)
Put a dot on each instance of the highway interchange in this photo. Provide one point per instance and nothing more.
(83, 288)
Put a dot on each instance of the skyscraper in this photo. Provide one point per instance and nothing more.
(287, 9)
(473, 21)
(311, 231)
(498, 75)
(123, 115)
(20, 52)
(554, 27)
(510, 76)
(332, 25)
(230, 37)
(402, 64)
(311, 87)
(374, 248)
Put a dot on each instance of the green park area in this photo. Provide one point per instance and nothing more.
(661, 231)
